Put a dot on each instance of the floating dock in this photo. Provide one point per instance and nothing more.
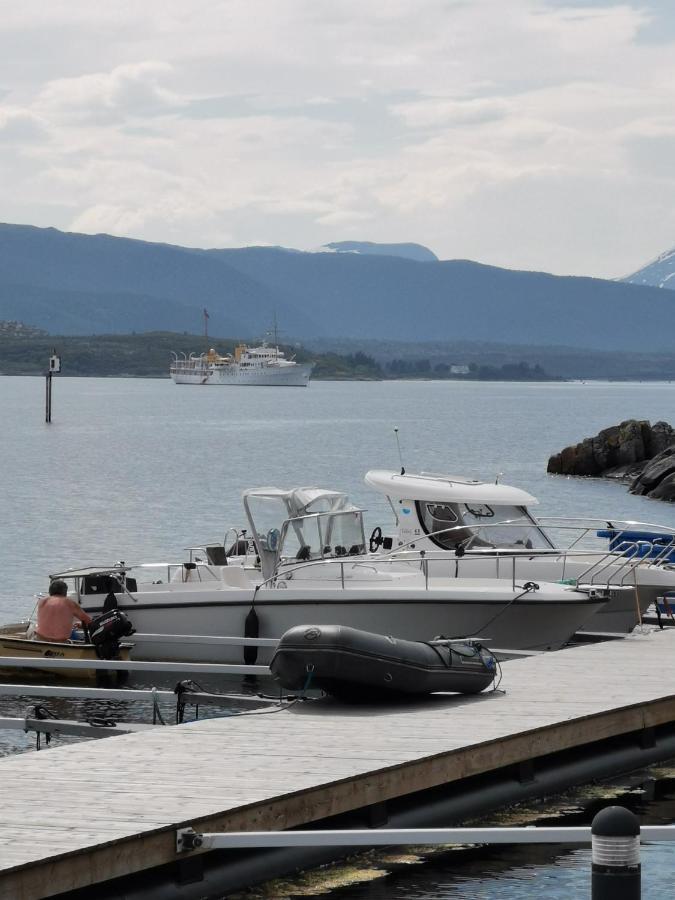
(80, 815)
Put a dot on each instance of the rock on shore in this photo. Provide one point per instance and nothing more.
(634, 450)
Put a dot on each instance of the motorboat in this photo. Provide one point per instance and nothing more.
(312, 563)
(16, 640)
(463, 526)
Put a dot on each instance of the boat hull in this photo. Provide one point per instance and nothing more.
(14, 643)
(624, 609)
(535, 621)
(287, 376)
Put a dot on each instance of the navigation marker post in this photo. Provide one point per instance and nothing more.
(54, 369)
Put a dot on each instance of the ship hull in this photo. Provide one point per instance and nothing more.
(291, 376)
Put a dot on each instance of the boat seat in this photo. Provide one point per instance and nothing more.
(216, 555)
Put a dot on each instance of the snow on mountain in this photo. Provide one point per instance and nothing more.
(658, 273)
(416, 252)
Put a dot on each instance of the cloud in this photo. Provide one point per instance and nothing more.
(20, 126)
(489, 130)
(127, 90)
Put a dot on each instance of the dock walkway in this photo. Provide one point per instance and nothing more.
(85, 813)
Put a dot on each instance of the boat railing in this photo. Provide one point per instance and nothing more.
(619, 565)
(658, 533)
(506, 566)
(170, 571)
(623, 564)
(645, 552)
(240, 536)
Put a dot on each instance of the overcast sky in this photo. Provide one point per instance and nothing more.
(530, 134)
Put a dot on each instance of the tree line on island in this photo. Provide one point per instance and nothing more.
(25, 351)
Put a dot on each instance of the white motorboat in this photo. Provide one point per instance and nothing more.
(262, 365)
(461, 524)
(311, 564)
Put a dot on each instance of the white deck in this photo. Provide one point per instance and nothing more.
(113, 806)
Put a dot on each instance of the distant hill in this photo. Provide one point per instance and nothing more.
(405, 251)
(84, 284)
(659, 273)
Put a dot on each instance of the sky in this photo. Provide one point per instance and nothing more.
(530, 134)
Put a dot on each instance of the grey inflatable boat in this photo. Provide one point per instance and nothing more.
(358, 665)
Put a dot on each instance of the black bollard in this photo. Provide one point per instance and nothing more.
(615, 854)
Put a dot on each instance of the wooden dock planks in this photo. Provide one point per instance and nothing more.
(79, 814)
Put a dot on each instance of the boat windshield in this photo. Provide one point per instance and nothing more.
(306, 521)
(484, 528)
(322, 535)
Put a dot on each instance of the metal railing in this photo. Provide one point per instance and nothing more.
(119, 665)
(420, 561)
(614, 835)
(615, 566)
(622, 563)
(618, 525)
(188, 839)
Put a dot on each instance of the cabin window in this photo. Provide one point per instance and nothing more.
(442, 512)
(441, 522)
(478, 511)
(504, 527)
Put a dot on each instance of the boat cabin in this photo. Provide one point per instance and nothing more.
(439, 512)
(302, 525)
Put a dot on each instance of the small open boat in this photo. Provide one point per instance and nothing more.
(16, 642)
(359, 666)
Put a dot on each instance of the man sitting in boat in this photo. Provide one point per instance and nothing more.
(56, 614)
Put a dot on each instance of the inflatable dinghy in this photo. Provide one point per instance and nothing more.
(358, 665)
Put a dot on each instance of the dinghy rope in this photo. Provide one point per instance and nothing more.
(156, 711)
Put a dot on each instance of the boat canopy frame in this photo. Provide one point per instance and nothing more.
(298, 504)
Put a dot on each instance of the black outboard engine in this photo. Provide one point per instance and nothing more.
(106, 631)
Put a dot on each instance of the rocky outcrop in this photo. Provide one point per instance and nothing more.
(657, 478)
(634, 450)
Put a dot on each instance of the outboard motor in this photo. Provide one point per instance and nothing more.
(106, 631)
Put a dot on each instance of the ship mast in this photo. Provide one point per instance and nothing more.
(274, 333)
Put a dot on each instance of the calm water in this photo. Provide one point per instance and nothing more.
(518, 872)
(140, 469)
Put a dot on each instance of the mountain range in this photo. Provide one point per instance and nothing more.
(71, 283)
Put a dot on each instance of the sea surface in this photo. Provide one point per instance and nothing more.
(138, 470)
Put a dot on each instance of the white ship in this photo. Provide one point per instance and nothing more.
(263, 365)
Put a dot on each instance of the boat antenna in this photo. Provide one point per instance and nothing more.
(400, 457)
(205, 315)
(498, 476)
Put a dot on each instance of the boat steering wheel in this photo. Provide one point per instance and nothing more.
(376, 539)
